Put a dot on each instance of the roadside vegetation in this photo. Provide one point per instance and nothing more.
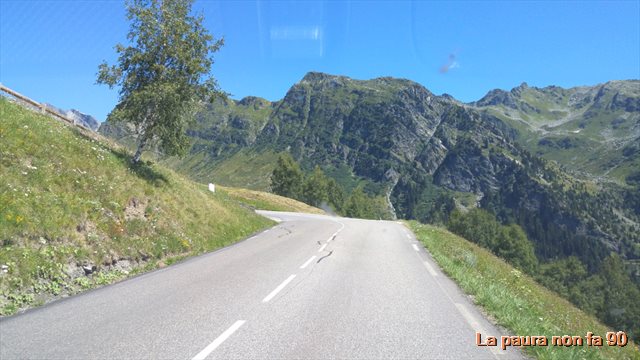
(76, 214)
(261, 200)
(514, 299)
(319, 190)
(609, 293)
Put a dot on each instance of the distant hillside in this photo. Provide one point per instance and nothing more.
(592, 130)
(85, 120)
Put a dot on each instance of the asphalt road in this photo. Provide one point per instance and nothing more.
(312, 287)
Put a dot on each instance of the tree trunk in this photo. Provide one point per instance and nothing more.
(138, 154)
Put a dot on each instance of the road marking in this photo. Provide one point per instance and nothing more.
(278, 289)
(307, 262)
(431, 270)
(219, 340)
(322, 247)
(333, 236)
(415, 247)
(473, 322)
(408, 236)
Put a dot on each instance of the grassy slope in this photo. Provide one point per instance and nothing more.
(595, 139)
(67, 201)
(267, 201)
(515, 300)
(244, 168)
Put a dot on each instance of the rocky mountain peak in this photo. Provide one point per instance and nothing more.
(497, 97)
(317, 77)
(256, 102)
(83, 119)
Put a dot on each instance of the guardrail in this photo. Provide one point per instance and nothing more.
(41, 107)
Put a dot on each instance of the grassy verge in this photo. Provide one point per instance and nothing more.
(267, 201)
(75, 214)
(514, 299)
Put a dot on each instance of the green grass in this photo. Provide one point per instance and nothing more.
(69, 200)
(267, 201)
(245, 168)
(514, 299)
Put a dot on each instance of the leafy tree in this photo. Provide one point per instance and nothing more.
(163, 75)
(314, 190)
(509, 242)
(477, 225)
(561, 275)
(513, 246)
(335, 195)
(358, 205)
(287, 178)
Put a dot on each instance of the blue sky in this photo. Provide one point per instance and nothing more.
(50, 50)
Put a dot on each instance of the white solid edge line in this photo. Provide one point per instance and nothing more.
(473, 322)
(307, 262)
(322, 247)
(278, 289)
(431, 270)
(219, 340)
(415, 247)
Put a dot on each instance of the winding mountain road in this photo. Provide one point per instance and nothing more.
(312, 287)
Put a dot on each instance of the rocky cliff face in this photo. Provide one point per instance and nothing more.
(87, 121)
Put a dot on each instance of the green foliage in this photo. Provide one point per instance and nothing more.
(508, 242)
(315, 189)
(162, 75)
(512, 244)
(287, 178)
(335, 195)
(610, 294)
(620, 306)
(515, 300)
(358, 205)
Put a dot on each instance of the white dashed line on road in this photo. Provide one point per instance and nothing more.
(278, 289)
(219, 340)
(307, 262)
(322, 247)
(415, 247)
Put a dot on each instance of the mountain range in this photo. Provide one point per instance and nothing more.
(78, 117)
(562, 163)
